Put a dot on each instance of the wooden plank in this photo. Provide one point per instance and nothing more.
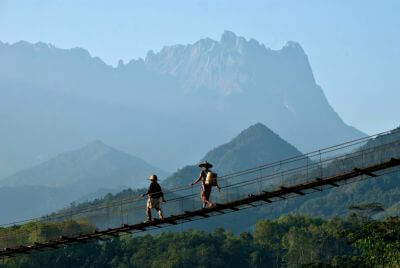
(292, 190)
(365, 172)
(327, 182)
(317, 189)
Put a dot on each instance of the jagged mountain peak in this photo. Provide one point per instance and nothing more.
(229, 42)
(48, 56)
(230, 39)
(232, 64)
(293, 45)
(228, 36)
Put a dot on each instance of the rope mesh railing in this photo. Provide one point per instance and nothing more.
(280, 165)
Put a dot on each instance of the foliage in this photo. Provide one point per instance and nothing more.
(379, 242)
(290, 241)
(367, 210)
(41, 231)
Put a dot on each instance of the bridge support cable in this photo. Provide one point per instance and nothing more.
(292, 164)
(250, 201)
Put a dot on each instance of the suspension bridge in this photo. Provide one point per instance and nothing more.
(353, 161)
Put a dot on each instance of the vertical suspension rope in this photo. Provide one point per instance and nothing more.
(193, 198)
(363, 165)
(108, 217)
(307, 167)
(181, 213)
(320, 165)
(122, 215)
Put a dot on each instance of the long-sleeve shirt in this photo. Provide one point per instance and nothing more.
(155, 190)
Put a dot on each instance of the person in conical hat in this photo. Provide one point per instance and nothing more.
(155, 197)
(206, 186)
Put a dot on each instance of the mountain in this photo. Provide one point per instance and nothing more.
(84, 174)
(92, 167)
(157, 106)
(254, 146)
(275, 87)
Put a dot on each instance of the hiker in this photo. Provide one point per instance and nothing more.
(208, 180)
(155, 197)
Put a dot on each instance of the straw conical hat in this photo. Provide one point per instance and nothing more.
(153, 177)
(205, 164)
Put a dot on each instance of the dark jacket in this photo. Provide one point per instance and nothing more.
(155, 190)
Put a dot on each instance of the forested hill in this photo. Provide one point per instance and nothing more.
(254, 146)
(385, 189)
(290, 241)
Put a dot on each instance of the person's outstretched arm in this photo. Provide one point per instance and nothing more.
(146, 193)
(197, 180)
(149, 190)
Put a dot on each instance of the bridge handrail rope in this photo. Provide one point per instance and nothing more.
(291, 171)
(294, 171)
(227, 176)
(317, 152)
(150, 228)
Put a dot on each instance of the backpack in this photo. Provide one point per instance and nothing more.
(211, 179)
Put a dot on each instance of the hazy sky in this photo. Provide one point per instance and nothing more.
(353, 45)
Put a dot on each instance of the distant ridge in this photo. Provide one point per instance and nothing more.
(87, 173)
(91, 167)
